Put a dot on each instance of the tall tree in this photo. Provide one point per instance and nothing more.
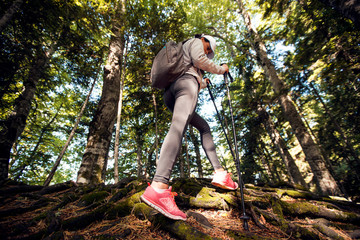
(15, 124)
(292, 169)
(101, 127)
(325, 183)
(196, 144)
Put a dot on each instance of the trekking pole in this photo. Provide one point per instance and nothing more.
(220, 120)
(244, 217)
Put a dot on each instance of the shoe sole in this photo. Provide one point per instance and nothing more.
(162, 211)
(223, 186)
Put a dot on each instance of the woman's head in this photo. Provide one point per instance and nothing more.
(209, 44)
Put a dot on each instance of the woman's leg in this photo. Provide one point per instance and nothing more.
(181, 99)
(207, 141)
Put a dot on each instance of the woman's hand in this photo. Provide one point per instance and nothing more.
(226, 67)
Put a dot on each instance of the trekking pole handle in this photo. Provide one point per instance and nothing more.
(231, 78)
(226, 78)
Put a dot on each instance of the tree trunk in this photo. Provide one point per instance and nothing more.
(101, 127)
(197, 152)
(347, 8)
(182, 162)
(156, 130)
(72, 133)
(292, 169)
(118, 118)
(266, 164)
(10, 13)
(274, 173)
(325, 183)
(140, 164)
(15, 124)
(30, 159)
(187, 156)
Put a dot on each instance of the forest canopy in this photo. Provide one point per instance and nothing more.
(77, 103)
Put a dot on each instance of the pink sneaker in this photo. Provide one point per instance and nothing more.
(223, 180)
(163, 202)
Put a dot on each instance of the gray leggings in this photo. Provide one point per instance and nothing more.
(181, 99)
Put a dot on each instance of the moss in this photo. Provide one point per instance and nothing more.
(41, 216)
(120, 209)
(294, 193)
(208, 198)
(135, 198)
(252, 186)
(119, 195)
(328, 231)
(300, 209)
(124, 207)
(229, 198)
(180, 229)
(141, 210)
(237, 235)
(188, 186)
(93, 197)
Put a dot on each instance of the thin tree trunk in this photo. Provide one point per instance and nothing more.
(72, 133)
(187, 156)
(324, 181)
(181, 162)
(266, 164)
(156, 130)
(30, 159)
(118, 118)
(101, 128)
(274, 173)
(15, 124)
(197, 152)
(292, 169)
(148, 163)
(15, 6)
(139, 145)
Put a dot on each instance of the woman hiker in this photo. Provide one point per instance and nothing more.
(181, 99)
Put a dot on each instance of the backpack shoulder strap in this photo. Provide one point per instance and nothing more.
(191, 43)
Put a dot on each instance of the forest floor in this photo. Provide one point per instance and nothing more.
(68, 211)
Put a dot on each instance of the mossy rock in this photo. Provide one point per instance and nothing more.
(208, 198)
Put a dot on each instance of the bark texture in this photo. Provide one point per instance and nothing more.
(101, 127)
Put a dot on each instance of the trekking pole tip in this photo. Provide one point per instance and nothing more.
(245, 219)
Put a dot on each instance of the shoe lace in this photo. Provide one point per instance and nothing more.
(173, 194)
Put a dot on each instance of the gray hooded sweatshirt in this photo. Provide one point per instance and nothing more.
(194, 52)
